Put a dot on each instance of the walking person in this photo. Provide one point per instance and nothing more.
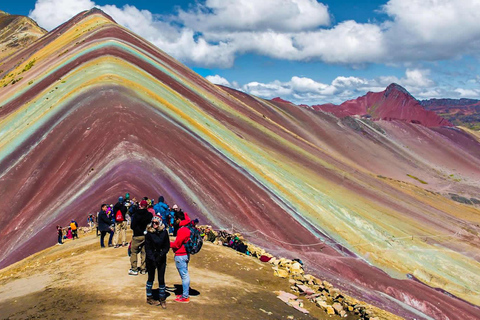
(120, 211)
(181, 256)
(104, 226)
(157, 245)
(141, 218)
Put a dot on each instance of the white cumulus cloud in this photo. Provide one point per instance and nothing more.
(303, 90)
(212, 33)
(254, 15)
(216, 79)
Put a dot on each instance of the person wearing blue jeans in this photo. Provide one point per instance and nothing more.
(181, 262)
(181, 256)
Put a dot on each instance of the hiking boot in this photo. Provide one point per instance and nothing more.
(182, 300)
(163, 303)
(133, 272)
(152, 301)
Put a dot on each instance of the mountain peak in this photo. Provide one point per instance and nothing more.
(395, 87)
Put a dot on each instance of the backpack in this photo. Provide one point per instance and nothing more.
(119, 216)
(73, 226)
(194, 244)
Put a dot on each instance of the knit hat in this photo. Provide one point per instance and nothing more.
(143, 203)
(127, 196)
(120, 199)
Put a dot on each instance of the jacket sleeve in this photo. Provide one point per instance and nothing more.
(133, 223)
(166, 242)
(104, 219)
(148, 245)
(182, 236)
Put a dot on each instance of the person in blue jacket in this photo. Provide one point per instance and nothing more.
(161, 209)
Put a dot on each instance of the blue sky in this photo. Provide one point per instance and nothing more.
(305, 51)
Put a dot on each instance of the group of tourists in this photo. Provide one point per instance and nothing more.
(151, 224)
(70, 232)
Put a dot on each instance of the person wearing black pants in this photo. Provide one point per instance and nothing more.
(104, 226)
(60, 234)
(157, 245)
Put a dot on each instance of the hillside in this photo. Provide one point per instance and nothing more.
(91, 111)
(86, 282)
(16, 33)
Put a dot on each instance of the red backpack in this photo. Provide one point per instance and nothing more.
(119, 216)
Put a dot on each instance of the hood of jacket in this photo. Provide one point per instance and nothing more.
(185, 222)
(151, 229)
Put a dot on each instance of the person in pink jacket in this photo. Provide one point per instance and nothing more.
(181, 255)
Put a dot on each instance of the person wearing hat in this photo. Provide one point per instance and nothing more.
(141, 218)
(157, 245)
(120, 212)
(175, 210)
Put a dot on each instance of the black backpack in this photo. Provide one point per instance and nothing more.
(194, 244)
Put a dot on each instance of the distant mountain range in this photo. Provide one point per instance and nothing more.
(396, 103)
(17, 32)
(460, 112)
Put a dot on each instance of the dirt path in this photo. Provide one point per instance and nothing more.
(79, 280)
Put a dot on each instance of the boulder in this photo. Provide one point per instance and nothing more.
(306, 290)
(338, 307)
(330, 310)
(280, 273)
(322, 304)
(327, 284)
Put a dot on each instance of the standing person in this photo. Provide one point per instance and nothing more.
(96, 223)
(157, 244)
(104, 226)
(181, 256)
(59, 234)
(175, 209)
(141, 218)
(150, 208)
(74, 226)
(90, 221)
(120, 211)
(161, 209)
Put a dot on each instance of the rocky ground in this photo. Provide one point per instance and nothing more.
(79, 280)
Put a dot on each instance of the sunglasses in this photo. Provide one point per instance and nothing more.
(155, 222)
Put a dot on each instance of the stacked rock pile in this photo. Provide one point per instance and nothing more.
(320, 292)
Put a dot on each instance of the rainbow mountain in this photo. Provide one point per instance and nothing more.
(91, 111)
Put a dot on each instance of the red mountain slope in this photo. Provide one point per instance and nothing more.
(395, 103)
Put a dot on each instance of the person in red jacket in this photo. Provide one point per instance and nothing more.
(181, 255)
